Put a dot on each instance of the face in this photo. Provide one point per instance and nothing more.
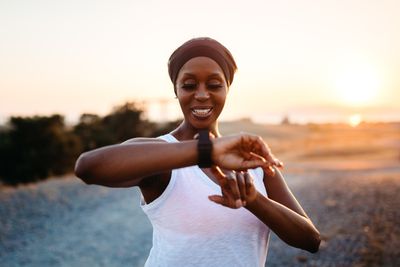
(201, 89)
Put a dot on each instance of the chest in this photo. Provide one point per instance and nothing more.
(185, 208)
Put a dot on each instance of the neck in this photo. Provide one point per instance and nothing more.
(185, 131)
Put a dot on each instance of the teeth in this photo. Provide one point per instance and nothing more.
(201, 111)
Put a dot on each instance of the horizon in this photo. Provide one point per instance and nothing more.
(301, 115)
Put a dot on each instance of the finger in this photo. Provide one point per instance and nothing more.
(248, 180)
(271, 159)
(279, 163)
(231, 175)
(252, 164)
(268, 155)
(234, 189)
(256, 156)
(265, 151)
(242, 187)
(223, 181)
(261, 147)
(217, 199)
(254, 160)
(221, 177)
(267, 166)
(269, 170)
(222, 201)
(254, 145)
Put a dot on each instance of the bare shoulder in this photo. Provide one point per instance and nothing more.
(143, 140)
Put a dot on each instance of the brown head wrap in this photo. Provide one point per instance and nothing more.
(202, 47)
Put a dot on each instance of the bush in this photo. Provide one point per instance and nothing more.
(34, 148)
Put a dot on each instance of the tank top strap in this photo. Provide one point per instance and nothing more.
(168, 138)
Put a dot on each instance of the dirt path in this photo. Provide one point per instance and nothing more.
(66, 223)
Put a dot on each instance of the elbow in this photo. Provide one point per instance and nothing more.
(315, 241)
(81, 169)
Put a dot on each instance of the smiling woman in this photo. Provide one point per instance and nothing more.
(212, 201)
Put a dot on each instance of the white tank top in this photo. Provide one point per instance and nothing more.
(190, 230)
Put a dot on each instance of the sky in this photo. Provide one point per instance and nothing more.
(310, 60)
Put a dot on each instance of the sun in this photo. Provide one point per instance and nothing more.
(358, 85)
(355, 120)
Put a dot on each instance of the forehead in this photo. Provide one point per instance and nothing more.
(201, 65)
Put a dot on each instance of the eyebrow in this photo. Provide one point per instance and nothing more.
(187, 74)
(218, 75)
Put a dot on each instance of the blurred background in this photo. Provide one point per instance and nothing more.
(318, 80)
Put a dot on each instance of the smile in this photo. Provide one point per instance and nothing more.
(201, 112)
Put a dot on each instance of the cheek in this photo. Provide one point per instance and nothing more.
(183, 99)
(221, 97)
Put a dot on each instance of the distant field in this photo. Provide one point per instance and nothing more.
(341, 144)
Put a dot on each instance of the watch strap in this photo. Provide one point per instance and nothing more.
(204, 148)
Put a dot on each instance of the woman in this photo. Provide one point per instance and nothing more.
(247, 195)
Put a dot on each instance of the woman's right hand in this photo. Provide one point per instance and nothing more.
(243, 151)
(237, 188)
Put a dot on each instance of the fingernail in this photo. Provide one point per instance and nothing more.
(271, 171)
(238, 203)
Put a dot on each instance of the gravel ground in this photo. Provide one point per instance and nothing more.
(357, 214)
(63, 222)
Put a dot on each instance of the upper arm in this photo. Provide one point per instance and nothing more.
(279, 191)
(150, 186)
(130, 183)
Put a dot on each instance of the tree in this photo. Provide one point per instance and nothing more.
(124, 122)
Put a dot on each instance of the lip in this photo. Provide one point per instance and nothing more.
(201, 112)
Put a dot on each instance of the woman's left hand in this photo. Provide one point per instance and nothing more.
(237, 188)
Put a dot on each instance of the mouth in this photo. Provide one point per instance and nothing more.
(202, 112)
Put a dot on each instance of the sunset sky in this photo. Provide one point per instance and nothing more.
(312, 60)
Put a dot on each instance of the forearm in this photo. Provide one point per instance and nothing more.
(293, 228)
(133, 161)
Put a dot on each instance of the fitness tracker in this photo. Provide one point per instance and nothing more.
(204, 148)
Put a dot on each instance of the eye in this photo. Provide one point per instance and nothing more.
(189, 84)
(214, 84)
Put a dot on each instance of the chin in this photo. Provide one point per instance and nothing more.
(201, 124)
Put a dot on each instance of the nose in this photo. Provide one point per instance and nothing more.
(202, 93)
